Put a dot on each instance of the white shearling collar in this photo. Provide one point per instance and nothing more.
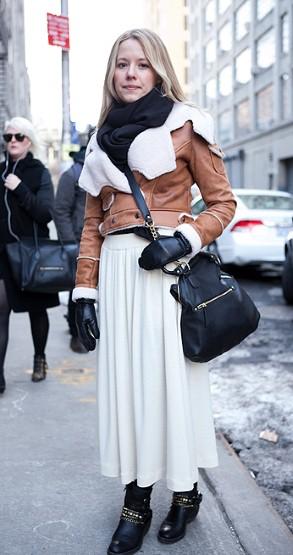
(151, 152)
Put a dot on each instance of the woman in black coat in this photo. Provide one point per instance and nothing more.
(26, 196)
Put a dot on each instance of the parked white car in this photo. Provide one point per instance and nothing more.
(258, 231)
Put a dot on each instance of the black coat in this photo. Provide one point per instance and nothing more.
(31, 201)
(69, 205)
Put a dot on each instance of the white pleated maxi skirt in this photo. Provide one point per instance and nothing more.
(154, 408)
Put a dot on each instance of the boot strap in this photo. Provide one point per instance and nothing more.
(182, 500)
(133, 516)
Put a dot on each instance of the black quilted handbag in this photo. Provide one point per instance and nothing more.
(42, 265)
(217, 314)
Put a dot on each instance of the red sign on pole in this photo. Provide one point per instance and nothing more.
(58, 30)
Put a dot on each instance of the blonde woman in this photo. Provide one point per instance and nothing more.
(26, 196)
(154, 413)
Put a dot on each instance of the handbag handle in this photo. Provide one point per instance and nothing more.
(36, 237)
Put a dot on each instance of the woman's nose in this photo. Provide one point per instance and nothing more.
(131, 73)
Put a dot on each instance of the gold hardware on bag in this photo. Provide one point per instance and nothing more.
(151, 226)
(205, 303)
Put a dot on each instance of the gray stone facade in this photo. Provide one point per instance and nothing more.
(14, 82)
(241, 69)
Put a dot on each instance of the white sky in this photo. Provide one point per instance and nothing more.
(94, 25)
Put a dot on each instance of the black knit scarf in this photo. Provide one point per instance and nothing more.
(126, 120)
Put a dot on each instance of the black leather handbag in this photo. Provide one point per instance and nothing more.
(217, 313)
(42, 265)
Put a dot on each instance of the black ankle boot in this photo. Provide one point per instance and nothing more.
(2, 383)
(40, 368)
(184, 508)
(134, 522)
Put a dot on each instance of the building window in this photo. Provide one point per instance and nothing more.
(210, 92)
(242, 20)
(225, 38)
(264, 107)
(285, 34)
(243, 66)
(285, 96)
(210, 14)
(242, 118)
(264, 7)
(210, 53)
(225, 127)
(224, 5)
(195, 28)
(225, 81)
(265, 49)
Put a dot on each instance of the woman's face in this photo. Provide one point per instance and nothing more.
(16, 148)
(133, 76)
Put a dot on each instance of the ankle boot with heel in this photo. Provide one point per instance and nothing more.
(184, 509)
(134, 522)
(40, 368)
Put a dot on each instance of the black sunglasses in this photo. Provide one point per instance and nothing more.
(18, 136)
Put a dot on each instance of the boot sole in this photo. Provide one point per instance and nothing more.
(134, 549)
(38, 379)
(177, 538)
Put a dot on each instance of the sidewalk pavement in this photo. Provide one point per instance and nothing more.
(53, 499)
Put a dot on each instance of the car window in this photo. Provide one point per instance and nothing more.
(267, 202)
(198, 207)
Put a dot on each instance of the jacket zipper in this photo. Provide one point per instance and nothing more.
(206, 303)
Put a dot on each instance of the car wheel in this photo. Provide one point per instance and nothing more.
(287, 280)
(213, 248)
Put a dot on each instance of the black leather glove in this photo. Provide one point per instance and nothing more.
(86, 323)
(164, 250)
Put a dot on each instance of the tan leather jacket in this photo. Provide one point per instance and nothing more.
(169, 200)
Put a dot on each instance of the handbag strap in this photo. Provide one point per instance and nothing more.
(141, 203)
(182, 268)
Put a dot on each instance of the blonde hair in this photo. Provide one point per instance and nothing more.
(156, 54)
(25, 127)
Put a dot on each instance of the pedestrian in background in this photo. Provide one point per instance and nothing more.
(154, 412)
(68, 217)
(26, 197)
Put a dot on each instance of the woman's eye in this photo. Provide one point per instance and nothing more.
(121, 65)
(144, 66)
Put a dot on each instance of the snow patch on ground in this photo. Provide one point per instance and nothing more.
(252, 391)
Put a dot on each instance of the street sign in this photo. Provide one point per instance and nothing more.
(58, 30)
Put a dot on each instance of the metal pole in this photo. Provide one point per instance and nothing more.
(65, 89)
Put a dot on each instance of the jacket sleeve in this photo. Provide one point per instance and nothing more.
(64, 207)
(87, 273)
(208, 171)
(39, 205)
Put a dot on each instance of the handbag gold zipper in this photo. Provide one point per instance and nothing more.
(203, 305)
